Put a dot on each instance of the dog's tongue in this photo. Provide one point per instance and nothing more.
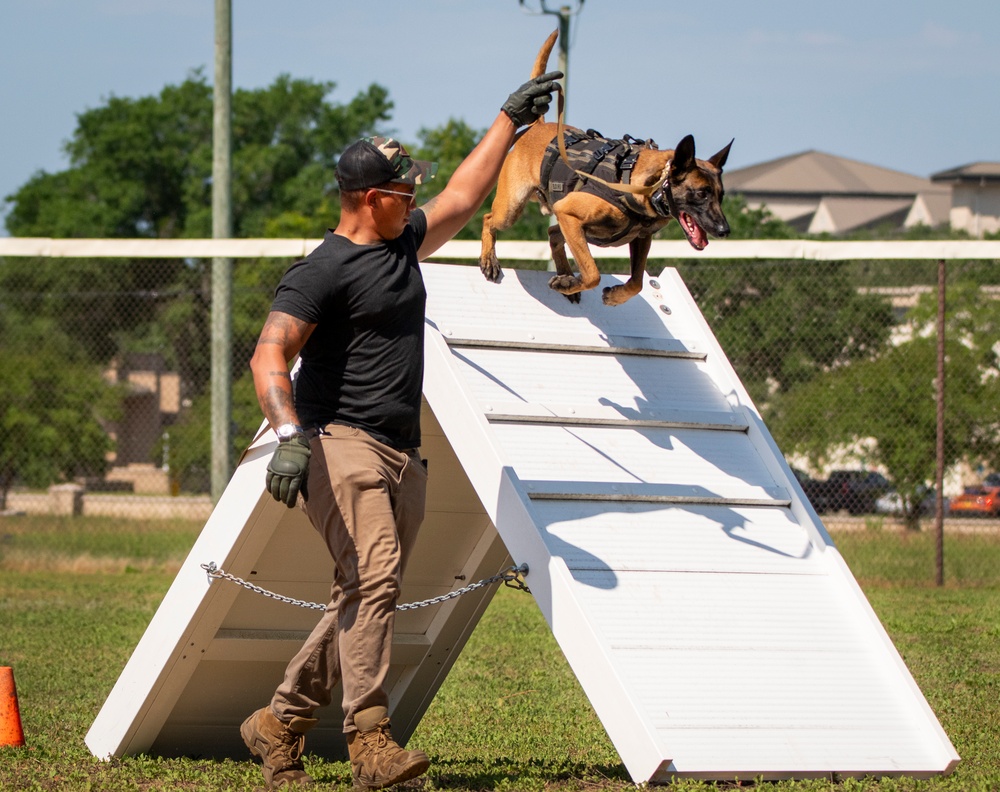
(695, 233)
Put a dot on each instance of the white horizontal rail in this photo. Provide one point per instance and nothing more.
(510, 250)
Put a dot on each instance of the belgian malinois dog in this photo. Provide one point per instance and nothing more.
(647, 189)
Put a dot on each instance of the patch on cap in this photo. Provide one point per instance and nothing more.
(372, 161)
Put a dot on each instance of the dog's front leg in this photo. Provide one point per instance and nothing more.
(488, 263)
(557, 246)
(638, 250)
(571, 214)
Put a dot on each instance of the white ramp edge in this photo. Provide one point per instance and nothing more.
(692, 588)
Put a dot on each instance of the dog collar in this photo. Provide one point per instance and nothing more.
(662, 199)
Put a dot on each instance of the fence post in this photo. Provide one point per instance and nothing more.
(939, 472)
(222, 268)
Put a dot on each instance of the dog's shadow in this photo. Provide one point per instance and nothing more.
(634, 319)
(638, 318)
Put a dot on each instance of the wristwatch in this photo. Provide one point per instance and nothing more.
(288, 431)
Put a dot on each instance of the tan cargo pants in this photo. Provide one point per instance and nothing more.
(367, 502)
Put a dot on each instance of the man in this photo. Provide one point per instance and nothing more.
(353, 311)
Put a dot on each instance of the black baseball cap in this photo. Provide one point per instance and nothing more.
(372, 161)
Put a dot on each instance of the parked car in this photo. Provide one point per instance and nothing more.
(992, 480)
(892, 502)
(815, 490)
(855, 490)
(978, 501)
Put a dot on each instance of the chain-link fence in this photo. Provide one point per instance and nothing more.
(105, 399)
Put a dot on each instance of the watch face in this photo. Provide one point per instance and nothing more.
(286, 430)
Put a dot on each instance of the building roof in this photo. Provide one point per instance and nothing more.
(818, 173)
(973, 172)
(840, 214)
(930, 208)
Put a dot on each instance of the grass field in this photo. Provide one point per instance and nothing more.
(77, 594)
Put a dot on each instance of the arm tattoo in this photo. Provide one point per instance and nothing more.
(273, 382)
(429, 206)
(280, 329)
(278, 405)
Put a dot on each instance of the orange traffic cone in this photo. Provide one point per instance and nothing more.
(11, 732)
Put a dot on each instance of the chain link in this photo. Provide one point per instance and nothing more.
(511, 578)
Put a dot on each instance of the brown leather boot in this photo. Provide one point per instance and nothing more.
(279, 746)
(376, 760)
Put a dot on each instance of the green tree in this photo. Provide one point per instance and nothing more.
(188, 450)
(142, 167)
(448, 145)
(782, 323)
(973, 321)
(890, 398)
(53, 407)
(101, 303)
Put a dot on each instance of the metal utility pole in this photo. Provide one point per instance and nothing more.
(564, 13)
(222, 268)
(939, 471)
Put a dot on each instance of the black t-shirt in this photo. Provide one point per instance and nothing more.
(363, 365)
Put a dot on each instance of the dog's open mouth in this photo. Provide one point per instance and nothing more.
(695, 233)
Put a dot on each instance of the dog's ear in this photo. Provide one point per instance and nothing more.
(683, 160)
(718, 160)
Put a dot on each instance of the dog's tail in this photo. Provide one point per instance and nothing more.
(541, 62)
(543, 55)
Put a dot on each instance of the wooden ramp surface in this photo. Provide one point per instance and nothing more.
(695, 593)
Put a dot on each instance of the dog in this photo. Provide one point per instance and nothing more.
(661, 185)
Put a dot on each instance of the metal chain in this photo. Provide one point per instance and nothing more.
(511, 578)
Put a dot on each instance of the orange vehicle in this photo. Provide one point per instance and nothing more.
(977, 501)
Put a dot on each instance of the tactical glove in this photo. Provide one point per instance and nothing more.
(288, 469)
(531, 101)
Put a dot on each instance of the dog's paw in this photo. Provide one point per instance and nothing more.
(566, 284)
(610, 295)
(573, 298)
(491, 271)
(616, 295)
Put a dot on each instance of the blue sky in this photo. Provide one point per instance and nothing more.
(910, 85)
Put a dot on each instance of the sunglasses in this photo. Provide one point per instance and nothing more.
(409, 196)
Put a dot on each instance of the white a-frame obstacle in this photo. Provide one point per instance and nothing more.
(695, 593)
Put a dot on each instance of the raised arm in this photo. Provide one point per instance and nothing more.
(468, 187)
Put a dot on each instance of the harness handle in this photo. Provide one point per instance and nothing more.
(625, 188)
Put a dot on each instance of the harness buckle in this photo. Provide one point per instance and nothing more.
(603, 151)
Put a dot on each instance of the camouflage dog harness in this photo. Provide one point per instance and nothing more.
(610, 160)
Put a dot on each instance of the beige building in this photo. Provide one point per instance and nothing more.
(975, 201)
(152, 402)
(819, 193)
